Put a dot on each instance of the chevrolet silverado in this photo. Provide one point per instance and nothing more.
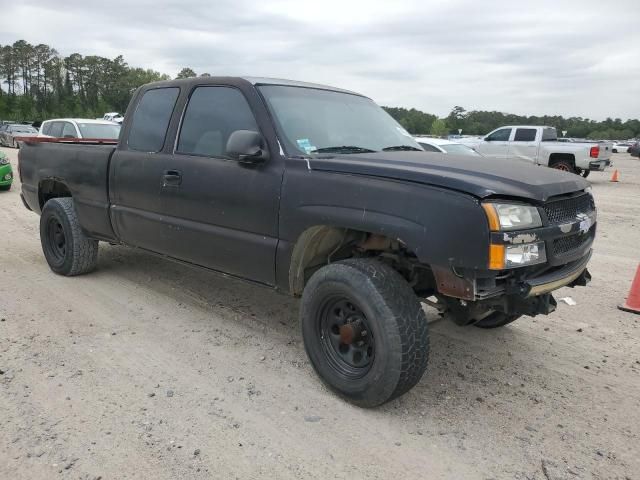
(317, 192)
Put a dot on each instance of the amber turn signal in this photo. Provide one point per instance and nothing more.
(492, 216)
(496, 257)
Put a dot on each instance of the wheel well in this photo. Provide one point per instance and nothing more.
(558, 157)
(323, 244)
(51, 189)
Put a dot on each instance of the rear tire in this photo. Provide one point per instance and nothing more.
(564, 165)
(496, 320)
(4, 188)
(66, 248)
(364, 331)
(585, 173)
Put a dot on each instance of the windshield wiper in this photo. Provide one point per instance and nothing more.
(343, 149)
(401, 148)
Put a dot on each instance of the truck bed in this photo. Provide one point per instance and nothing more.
(84, 167)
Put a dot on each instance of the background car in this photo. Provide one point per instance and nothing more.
(445, 146)
(634, 149)
(6, 174)
(80, 128)
(113, 117)
(8, 134)
(620, 147)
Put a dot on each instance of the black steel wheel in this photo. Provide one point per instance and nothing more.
(364, 331)
(347, 339)
(67, 249)
(56, 242)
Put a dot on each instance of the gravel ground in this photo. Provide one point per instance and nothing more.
(149, 369)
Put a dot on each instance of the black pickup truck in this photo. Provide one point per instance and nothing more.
(317, 192)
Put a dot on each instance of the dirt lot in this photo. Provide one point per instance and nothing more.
(148, 369)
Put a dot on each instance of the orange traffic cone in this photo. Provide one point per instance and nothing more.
(614, 177)
(633, 300)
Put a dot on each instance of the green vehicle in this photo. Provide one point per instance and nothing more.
(6, 173)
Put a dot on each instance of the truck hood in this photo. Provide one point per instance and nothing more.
(479, 176)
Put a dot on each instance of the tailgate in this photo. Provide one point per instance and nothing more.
(605, 150)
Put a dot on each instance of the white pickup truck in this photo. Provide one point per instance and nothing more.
(540, 145)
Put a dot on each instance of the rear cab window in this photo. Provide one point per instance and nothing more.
(549, 134)
(151, 119)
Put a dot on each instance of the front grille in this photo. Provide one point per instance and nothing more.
(567, 210)
(568, 245)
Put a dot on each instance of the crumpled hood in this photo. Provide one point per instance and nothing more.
(478, 176)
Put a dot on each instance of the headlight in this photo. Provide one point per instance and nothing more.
(511, 216)
(518, 255)
(524, 254)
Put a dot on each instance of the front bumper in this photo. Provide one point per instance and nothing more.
(599, 165)
(571, 275)
(6, 175)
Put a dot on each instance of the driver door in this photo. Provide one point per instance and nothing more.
(496, 144)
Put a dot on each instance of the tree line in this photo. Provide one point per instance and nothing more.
(37, 83)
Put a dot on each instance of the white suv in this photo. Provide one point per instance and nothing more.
(80, 128)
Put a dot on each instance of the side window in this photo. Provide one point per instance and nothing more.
(46, 128)
(550, 135)
(56, 129)
(429, 148)
(151, 119)
(212, 115)
(501, 135)
(525, 135)
(69, 131)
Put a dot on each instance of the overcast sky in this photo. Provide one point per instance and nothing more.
(538, 57)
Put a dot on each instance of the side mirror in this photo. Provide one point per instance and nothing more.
(247, 146)
(487, 139)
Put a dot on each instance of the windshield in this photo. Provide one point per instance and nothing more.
(459, 149)
(312, 122)
(99, 130)
(23, 129)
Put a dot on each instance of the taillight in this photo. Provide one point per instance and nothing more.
(594, 151)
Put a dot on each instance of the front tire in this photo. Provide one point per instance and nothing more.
(4, 188)
(364, 331)
(67, 249)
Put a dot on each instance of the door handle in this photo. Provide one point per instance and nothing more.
(171, 178)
